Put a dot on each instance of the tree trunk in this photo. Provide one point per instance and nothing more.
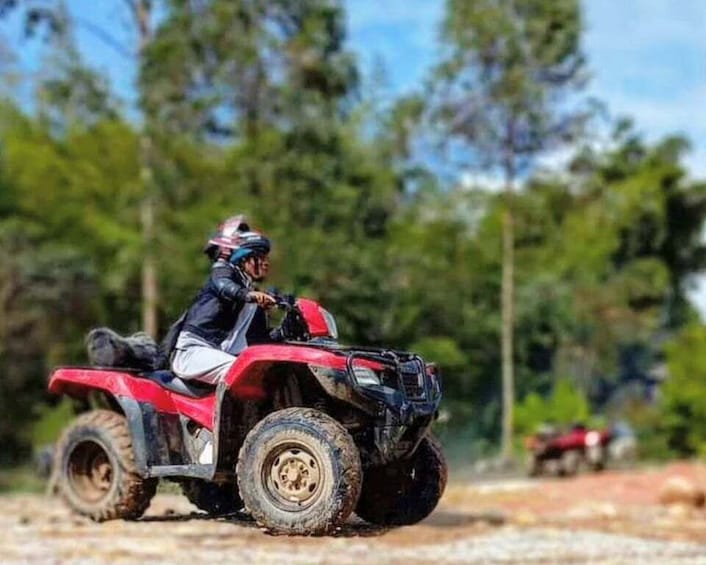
(508, 318)
(150, 284)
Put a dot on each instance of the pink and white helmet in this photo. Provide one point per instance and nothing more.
(227, 235)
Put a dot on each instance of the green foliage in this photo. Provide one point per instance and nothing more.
(507, 67)
(50, 421)
(565, 405)
(444, 349)
(42, 308)
(685, 392)
(20, 479)
(256, 107)
(500, 91)
(648, 421)
(237, 67)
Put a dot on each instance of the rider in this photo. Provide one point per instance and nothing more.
(224, 318)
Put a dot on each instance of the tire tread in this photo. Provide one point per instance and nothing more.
(133, 493)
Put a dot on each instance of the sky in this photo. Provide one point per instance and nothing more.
(647, 58)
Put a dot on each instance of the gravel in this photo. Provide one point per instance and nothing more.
(36, 530)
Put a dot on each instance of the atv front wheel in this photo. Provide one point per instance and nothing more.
(96, 469)
(569, 463)
(299, 472)
(214, 498)
(406, 491)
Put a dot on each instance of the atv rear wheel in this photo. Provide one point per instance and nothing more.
(534, 465)
(216, 499)
(96, 472)
(299, 472)
(406, 491)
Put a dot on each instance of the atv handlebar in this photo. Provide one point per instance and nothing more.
(284, 302)
(293, 327)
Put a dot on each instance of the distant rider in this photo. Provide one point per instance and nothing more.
(228, 314)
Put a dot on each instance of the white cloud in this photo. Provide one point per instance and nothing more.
(648, 59)
(684, 114)
(488, 182)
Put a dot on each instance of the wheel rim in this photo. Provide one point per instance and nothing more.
(292, 476)
(90, 471)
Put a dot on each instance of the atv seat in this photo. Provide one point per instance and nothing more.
(170, 381)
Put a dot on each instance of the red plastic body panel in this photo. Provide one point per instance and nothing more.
(245, 376)
(245, 380)
(573, 439)
(576, 439)
(77, 382)
(314, 318)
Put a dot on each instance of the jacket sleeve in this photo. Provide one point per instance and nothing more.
(226, 287)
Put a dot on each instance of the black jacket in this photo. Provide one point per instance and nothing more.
(215, 309)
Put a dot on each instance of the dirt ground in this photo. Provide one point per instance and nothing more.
(611, 517)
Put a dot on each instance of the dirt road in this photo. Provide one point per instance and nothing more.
(608, 518)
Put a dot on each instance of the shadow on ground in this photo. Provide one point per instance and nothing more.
(450, 519)
(353, 528)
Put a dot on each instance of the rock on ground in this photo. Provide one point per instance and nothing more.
(678, 490)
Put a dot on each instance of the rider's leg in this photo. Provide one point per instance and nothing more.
(205, 364)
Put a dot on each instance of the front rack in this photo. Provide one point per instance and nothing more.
(409, 370)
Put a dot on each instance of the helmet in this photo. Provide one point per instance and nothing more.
(227, 235)
(249, 243)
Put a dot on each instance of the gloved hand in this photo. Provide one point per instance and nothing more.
(263, 299)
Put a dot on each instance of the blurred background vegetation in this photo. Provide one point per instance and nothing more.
(261, 108)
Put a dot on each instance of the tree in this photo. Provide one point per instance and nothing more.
(142, 14)
(684, 419)
(565, 405)
(500, 90)
(600, 285)
(269, 87)
(70, 94)
(78, 81)
(44, 279)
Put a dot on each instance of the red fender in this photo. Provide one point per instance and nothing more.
(244, 380)
(78, 382)
(246, 375)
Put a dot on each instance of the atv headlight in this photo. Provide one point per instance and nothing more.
(365, 376)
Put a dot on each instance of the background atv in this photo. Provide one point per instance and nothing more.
(300, 434)
(564, 452)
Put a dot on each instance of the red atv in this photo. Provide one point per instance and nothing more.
(300, 433)
(563, 452)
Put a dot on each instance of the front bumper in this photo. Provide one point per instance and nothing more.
(404, 381)
(407, 410)
(398, 402)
